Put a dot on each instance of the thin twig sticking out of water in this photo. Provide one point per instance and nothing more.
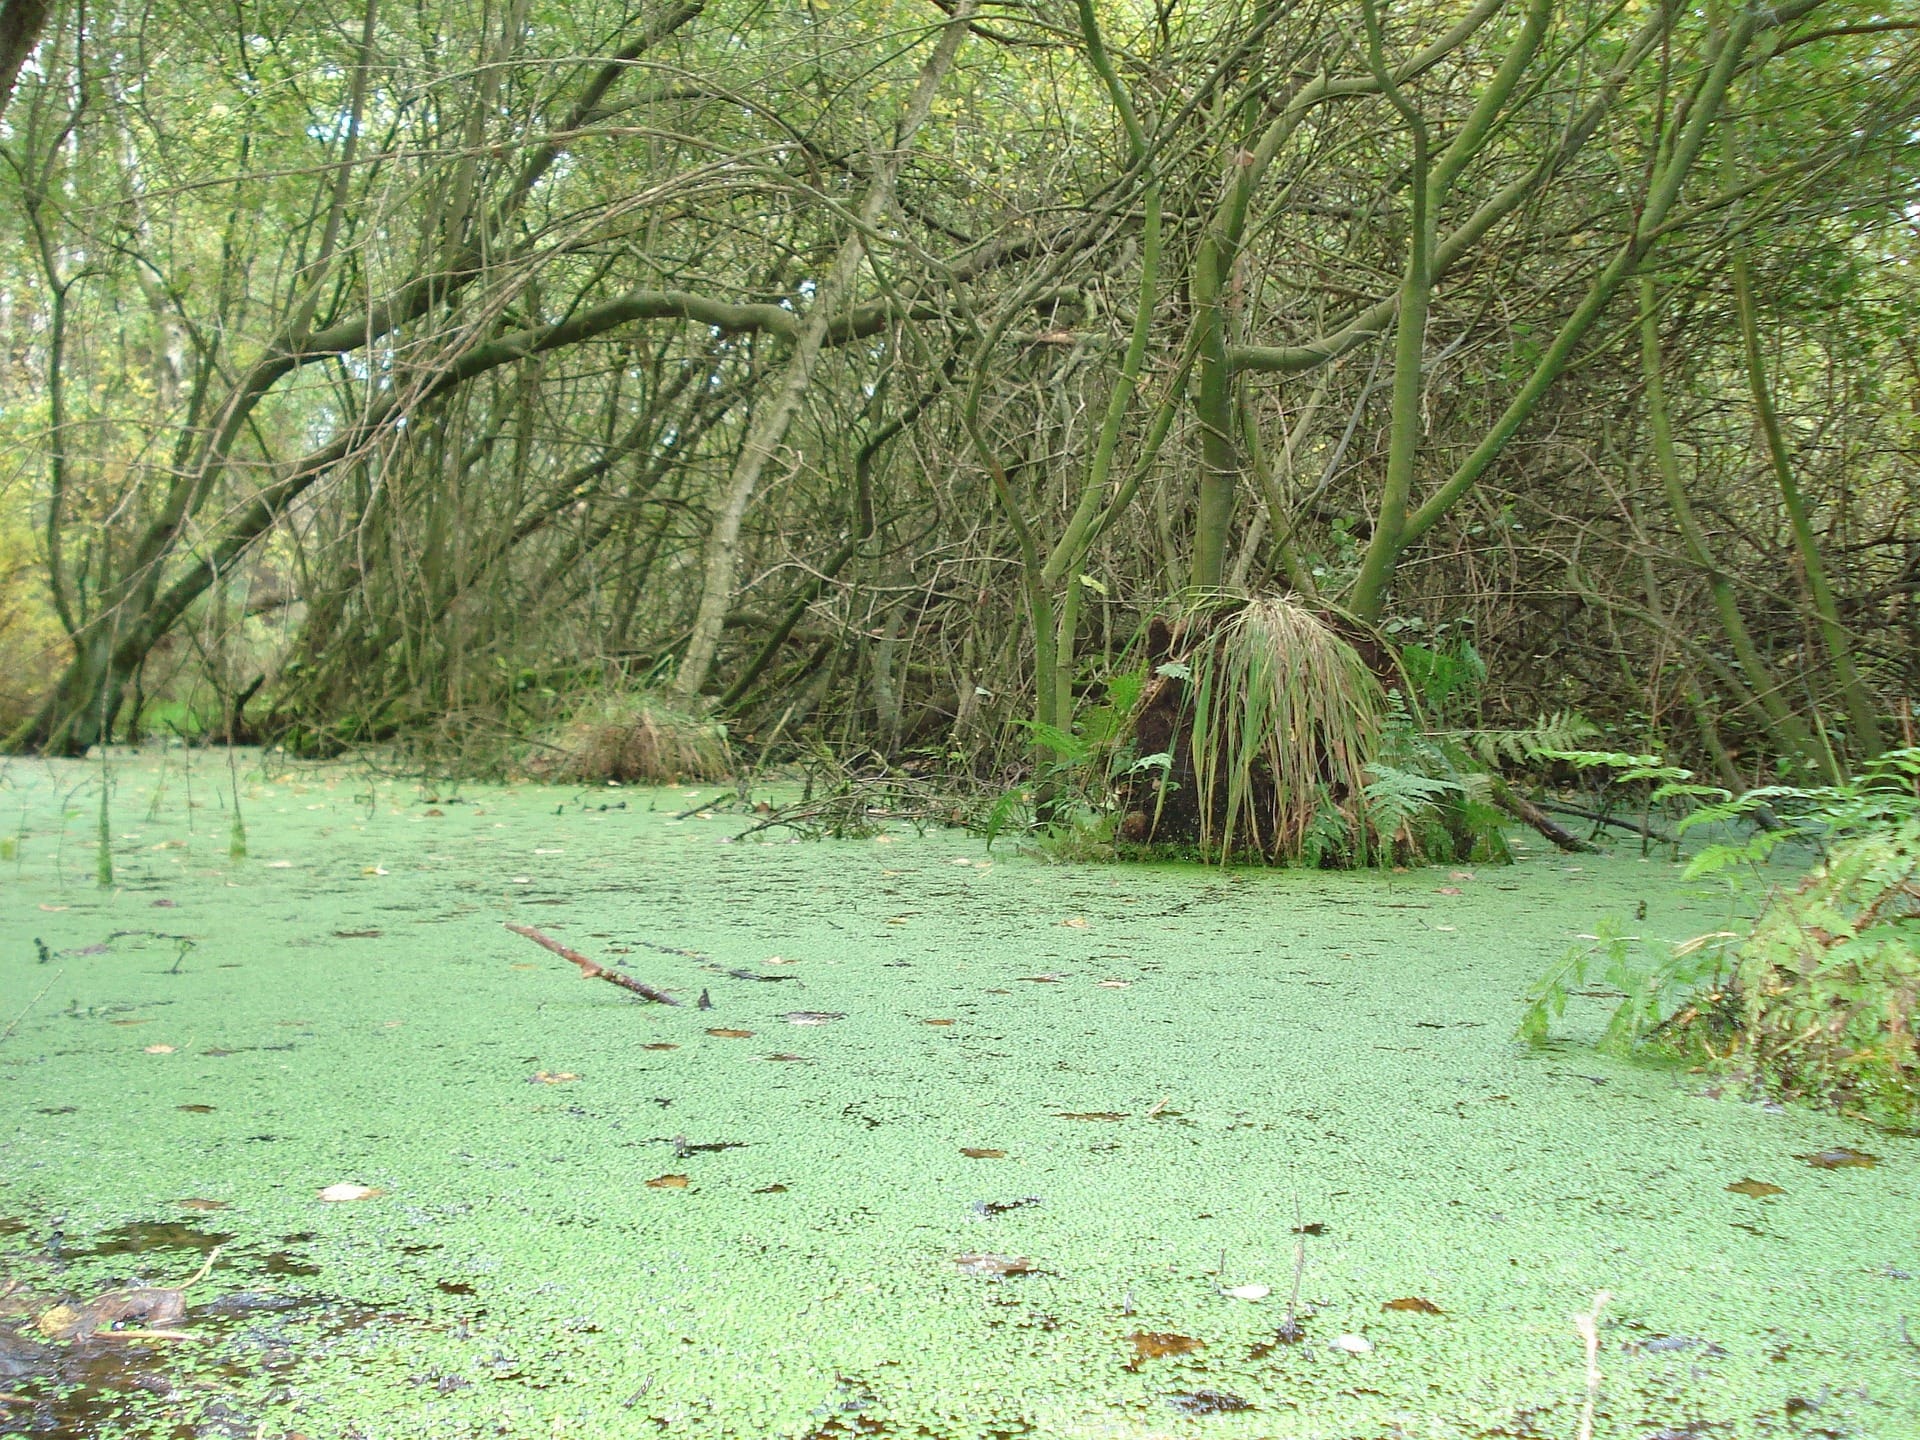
(30, 1004)
(1588, 1328)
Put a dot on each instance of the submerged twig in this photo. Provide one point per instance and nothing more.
(590, 969)
(30, 1004)
(1600, 817)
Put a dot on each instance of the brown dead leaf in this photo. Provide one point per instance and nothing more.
(1759, 1189)
(1090, 1114)
(551, 1077)
(785, 1055)
(1840, 1158)
(1078, 922)
(433, 814)
(980, 1152)
(196, 1203)
(987, 1264)
(667, 1182)
(159, 1049)
(358, 934)
(726, 1034)
(661, 1045)
(936, 1022)
(195, 1109)
(1446, 889)
(1416, 1304)
(1156, 1345)
(1047, 979)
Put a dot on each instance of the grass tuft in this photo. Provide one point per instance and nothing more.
(633, 737)
(1286, 719)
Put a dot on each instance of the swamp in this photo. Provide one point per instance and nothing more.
(959, 720)
(967, 1143)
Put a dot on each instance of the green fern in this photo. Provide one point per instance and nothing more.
(1547, 737)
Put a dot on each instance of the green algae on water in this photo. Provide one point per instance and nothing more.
(909, 1234)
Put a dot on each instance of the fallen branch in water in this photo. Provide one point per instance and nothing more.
(1522, 808)
(590, 969)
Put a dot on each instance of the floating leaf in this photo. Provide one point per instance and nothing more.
(1759, 1189)
(1089, 1115)
(1047, 979)
(357, 934)
(988, 1264)
(726, 1034)
(1312, 1227)
(1446, 889)
(936, 1022)
(159, 1049)
(1207, 1402)
(1351, 1344)
(667, 1182)
(1840, 1158)
(813, 1017)
(1156, 1345)
(1414, 1303)
(774, 1189)
(1247, 1292)
(195, 1109)
(661, 1045)
(785, 1055)
(196, 1203)
(346, 1190)
(551, 1077)
(1112, 984)
(1078, 922)
(979, 1152)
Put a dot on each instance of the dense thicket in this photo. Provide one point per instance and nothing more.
(873, 368)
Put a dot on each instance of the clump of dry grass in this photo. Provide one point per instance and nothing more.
(634, 737)
(1286, 719)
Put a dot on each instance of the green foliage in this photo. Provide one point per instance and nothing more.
(1650, 990)
(1447, 676)
(1431, 797)
(1884, 796)
(1816, 1001)
(1547, 738)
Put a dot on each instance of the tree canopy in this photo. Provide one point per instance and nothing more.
(876, 367)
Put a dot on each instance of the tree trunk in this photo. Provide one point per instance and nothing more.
(771, 424)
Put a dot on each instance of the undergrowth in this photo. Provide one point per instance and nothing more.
(1816, 1000)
